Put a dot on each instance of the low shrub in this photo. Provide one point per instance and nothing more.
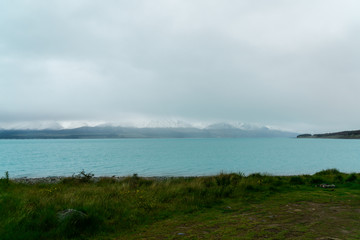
(81, 177)
(208, 181)
(227, 179)
(256, 176)
(316, 180)
(351, 178)
(338, 179)
(331, 171)
(296, 180)
(135, 181)
(6, 179)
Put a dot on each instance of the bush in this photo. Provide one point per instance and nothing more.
(339, 179)
(208, 181)
(6, 177)
(81, 177)
(84, 176)
(296, 180)
(223, 179)
(316, 180)
(5, 180)
(351, 178)
(251, 188)
(278, 181)
(331, 171)
(256, 175)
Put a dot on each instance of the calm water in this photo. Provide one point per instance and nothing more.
(176, 157)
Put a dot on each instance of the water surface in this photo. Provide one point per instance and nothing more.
(176, 157)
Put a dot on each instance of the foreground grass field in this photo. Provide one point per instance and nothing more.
(226, 206)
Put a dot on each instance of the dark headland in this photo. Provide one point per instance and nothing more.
(337, 135)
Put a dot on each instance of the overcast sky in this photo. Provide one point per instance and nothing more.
(291, 64)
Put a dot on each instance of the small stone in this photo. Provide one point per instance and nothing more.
(181, 234)
(71, 215)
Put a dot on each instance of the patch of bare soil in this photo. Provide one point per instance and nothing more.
(306, 219)
(302, 220)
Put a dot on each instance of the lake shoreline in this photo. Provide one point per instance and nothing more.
(95, 179)
(58, 179)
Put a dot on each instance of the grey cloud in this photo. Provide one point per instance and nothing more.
(288, 63)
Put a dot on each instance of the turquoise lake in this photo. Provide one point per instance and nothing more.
(176, 157)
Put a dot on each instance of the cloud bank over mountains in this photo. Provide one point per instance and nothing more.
(135, 124)
(292, 64)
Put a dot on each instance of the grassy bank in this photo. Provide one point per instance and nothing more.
(226, 206)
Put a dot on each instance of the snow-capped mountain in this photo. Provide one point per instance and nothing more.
(150, 129)
(167, 123)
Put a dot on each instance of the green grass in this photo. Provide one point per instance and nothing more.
(225, 206)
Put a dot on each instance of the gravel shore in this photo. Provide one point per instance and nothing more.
(57, 179)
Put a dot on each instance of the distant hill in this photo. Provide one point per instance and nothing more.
(132, 132)
(339, 135)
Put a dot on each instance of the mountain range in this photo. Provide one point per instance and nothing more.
(217, 130)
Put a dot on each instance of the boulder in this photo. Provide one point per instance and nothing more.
(71, 216)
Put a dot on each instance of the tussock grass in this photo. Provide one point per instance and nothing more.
(114, 206)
